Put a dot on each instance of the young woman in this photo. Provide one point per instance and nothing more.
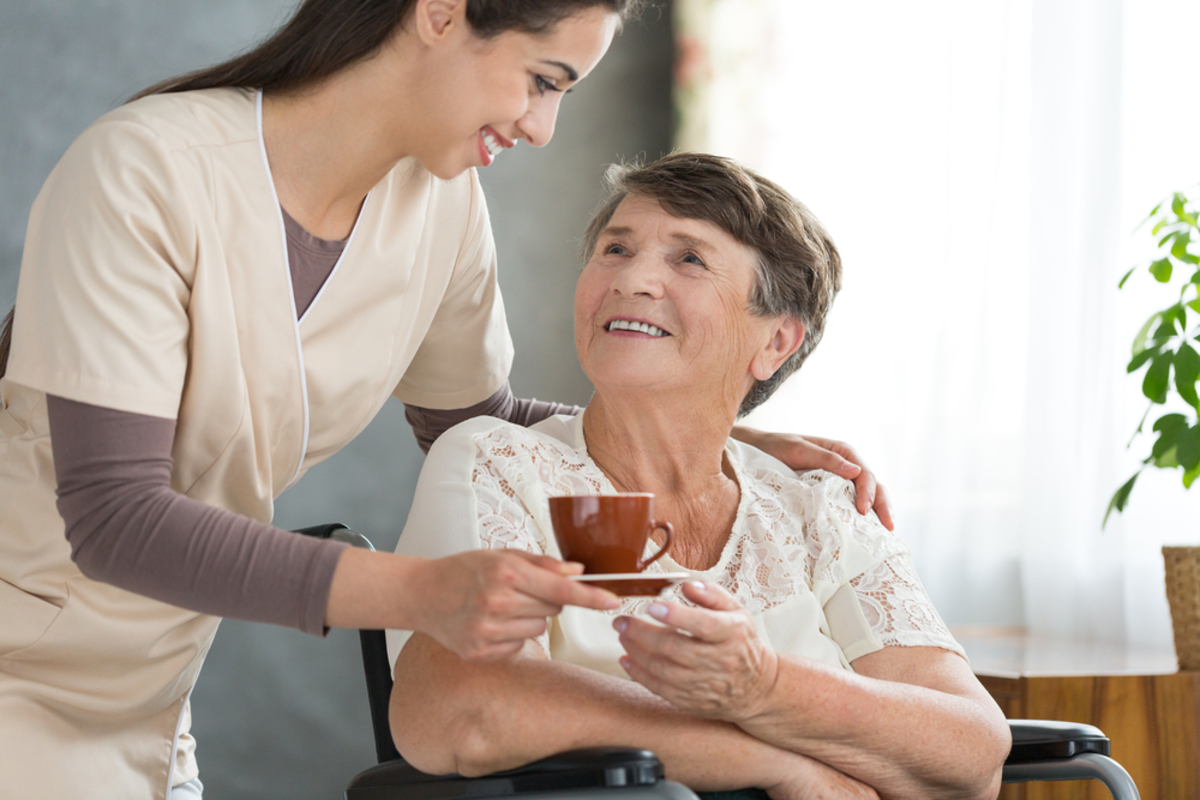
(223, 281)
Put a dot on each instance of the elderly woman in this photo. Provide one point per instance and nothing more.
(804, 658)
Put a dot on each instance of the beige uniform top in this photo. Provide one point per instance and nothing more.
(155, 280)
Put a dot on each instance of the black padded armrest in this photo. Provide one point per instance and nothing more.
(1040, 740)
(592, 767)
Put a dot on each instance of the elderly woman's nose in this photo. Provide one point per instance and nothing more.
(641, 274)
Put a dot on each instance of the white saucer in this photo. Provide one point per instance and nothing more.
(632, 584)
(673, 577)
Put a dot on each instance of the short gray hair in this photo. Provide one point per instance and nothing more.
(798, 269)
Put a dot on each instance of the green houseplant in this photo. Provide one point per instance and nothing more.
(1166, 347)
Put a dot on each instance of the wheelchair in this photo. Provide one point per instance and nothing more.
(1041, 751)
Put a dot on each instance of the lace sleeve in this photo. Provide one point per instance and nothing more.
(890, 594)
(504, 521)
(898, 609)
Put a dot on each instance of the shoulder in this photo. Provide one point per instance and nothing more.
(182, 120)
(529, 462)
(823, 503)
(814, 486)
(152, 145)
(487, 438)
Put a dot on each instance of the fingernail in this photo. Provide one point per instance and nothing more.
(621, 625)
(698, 586)
(624, 662)
(657, 610)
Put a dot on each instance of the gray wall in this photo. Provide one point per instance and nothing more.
(277, 713)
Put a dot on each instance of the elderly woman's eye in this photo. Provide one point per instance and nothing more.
(692, 258)
(615, 249)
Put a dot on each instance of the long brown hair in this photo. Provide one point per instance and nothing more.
(6, 340)
(325, 36)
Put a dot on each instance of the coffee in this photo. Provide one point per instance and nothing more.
(607, 533)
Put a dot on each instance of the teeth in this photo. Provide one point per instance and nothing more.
(493, 146)
(641, 327)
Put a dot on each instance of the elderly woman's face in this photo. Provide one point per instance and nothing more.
(662, 305)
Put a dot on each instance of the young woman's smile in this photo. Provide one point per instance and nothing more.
(495, 92)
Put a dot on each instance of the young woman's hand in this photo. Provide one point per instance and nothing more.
(482, 604)
(814, 452)
(708, 661)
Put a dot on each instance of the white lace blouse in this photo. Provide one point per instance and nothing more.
(821, 580)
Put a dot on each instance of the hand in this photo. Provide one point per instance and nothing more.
(484, 604)
(813, 452)
(809, 779)
(707, 660)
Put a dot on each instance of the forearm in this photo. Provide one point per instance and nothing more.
(903, 739)
(128, 528)
(453, 716)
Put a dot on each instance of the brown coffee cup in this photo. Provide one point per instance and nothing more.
(607, 533)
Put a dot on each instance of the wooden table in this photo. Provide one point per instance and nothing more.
(1147, 708)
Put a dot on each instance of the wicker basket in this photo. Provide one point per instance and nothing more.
(1183, 593)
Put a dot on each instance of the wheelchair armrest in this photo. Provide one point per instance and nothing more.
(592, 767)
(1041, 740)
(338, 532)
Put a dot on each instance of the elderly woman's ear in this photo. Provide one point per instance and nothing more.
(786, 337)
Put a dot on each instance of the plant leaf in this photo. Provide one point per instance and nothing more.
(1154, 385)
(1141, 358)
(1179, 248)
(1139, 341)
(1177, 202)
(1175, 422)
(1168, 440)
(1167, 460)
(1161, 270)
(1188, 449)
(1124, 278)
(1187, 371)
(1120, 498)
(1190, 476)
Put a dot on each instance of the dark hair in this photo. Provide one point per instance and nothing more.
(325, 36)
(798, 270)
(6, 340)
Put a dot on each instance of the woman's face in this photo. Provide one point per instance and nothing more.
(661, 306)
(483, 95)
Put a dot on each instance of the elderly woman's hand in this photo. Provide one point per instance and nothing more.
(809, 779)
(814, 452)
(709, 660)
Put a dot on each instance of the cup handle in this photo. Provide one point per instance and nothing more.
(667, 529)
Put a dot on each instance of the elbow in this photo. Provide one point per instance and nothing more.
(446, 742)
(988, 759)
(447, 723)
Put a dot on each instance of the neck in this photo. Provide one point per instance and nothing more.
(328, 146)
(670, 449)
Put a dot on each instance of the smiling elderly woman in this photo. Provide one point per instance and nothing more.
(805, 658)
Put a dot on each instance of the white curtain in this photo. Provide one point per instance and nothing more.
(982, 166)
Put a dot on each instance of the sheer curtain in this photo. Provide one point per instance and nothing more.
(982, 167)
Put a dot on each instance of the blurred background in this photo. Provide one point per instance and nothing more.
(983, 167)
